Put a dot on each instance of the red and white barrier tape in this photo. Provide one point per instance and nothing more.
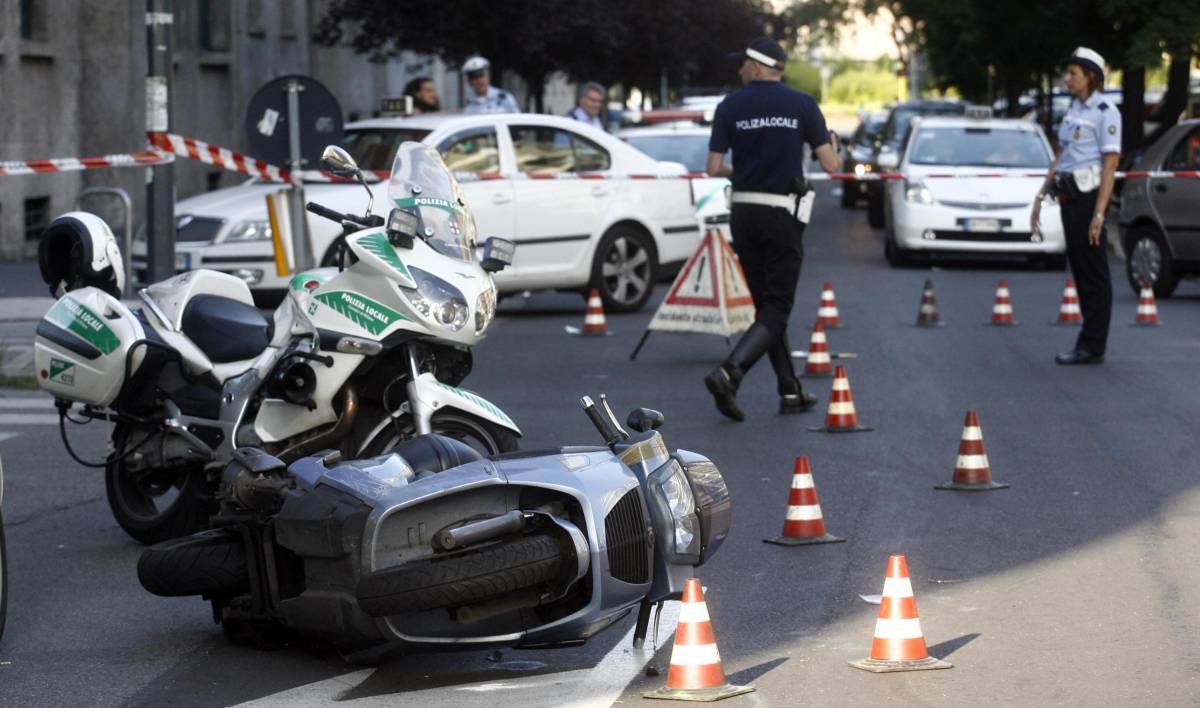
(166, 146)
(74, 164)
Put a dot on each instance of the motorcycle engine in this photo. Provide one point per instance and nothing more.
(162, 450)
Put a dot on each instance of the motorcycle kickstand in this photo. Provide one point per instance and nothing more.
(643, 623)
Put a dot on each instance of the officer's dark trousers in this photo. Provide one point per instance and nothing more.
(1089, 264)
(767, 241)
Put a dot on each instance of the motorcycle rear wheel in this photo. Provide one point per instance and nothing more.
(462, 579)
(143, 505)
(212, 563)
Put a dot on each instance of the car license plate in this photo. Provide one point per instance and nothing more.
(987, 226)
(183, 261)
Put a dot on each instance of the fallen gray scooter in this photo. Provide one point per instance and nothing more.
(434, 545)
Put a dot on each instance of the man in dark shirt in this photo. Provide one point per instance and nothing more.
(766, 125)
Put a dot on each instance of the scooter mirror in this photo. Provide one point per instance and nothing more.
(644, 419)
(337, 161)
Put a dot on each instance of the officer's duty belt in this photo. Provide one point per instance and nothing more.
(783, 201)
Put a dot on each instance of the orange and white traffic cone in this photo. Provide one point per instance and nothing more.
(594, 324)
(804, 524)
(971, 470)
(1147, 311)
(841, 417)
(827, 313)
(818, 362)
(1002, 311)
(695, 673)
(1068, 312)
(927, 315)
(899, 644)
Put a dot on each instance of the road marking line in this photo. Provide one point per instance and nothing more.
(7, 436)
(608, 679)
(28, 419)
(39, 402)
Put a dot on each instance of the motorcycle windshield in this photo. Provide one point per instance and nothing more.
(421, 183)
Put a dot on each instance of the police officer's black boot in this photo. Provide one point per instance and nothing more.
(792, 398)
(723, 381)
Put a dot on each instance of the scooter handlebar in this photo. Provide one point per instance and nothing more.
(611, 437)
(328, 213)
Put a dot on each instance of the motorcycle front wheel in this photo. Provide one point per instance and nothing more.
(484, 436)
(156, 505)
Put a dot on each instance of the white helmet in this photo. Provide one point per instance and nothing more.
(77, 250)
(475, 63)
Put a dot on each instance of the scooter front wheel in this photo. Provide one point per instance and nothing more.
(484, 436)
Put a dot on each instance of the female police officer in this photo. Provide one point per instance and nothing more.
(766, 125)
(1082, 178)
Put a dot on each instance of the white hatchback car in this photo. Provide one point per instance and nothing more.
(927, 212)
(618, 235)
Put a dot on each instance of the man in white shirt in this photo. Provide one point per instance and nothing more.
(591, 100)
(483, 97)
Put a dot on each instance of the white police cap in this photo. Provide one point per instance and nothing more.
(1088, 59)
(475, 63)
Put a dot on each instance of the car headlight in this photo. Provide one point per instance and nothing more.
(861, 169)
(918, 193)
(437, 300)
(485, 309)
(250, 231)
(682, 505)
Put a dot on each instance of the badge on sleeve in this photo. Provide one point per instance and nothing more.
(1112, 130)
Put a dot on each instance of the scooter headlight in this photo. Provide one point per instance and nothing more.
(437, 300)
(677, 494)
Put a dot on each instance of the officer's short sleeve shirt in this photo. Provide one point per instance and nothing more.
(767, 125)
(1090, 129)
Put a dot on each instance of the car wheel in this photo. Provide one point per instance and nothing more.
(875, 209)
(1150, 261)
(624, 269)
(849, 194)
(895, 255)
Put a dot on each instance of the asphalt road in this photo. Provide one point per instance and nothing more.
(1076, 586)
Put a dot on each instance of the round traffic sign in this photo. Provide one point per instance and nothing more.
(268, 128)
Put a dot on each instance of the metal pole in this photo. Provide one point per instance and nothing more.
(160, 189)
(302, 257)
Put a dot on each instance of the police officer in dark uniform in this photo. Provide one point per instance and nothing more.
(1082, 178)
(766, 125)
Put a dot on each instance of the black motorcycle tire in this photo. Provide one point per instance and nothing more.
(484, 436)
(3, 577)
(462, 579)
(212, 563)
(136, 512)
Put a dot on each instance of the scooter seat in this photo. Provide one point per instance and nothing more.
(435, 453)
(225, 329)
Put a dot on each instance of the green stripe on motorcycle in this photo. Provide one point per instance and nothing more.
(479, 401)
(361, 310)
(72, 315)
(378, 245)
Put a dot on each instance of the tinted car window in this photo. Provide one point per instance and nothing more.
(1186, 155)
(542, 150)
(690, 150)
(471, 151)
(978, 147)
(375, 148)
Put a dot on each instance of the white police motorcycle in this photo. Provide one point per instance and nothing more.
(358, 357)
(436, 546)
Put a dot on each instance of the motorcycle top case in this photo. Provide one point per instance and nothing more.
(81, 345)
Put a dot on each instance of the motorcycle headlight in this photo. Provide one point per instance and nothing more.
(713, 506)
(250, 231)
(675, 497)
(485, 309)
(437, 300)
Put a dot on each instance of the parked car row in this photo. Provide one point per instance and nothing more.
(617, 235)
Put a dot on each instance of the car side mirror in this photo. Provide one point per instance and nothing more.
(497, 253)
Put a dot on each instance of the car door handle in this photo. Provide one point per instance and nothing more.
(500, 198)
(599, 191)
(1161, 187)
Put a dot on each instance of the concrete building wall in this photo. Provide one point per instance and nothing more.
(75, 88)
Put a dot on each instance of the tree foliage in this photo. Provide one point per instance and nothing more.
(629, 41)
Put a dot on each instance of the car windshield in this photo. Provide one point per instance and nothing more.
(900, 122)
(691, 150)
(374, 148)
(422, 185)
(978, 147)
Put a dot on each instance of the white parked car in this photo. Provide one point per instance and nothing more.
(619, 235)
(964, 215)
(686, 143)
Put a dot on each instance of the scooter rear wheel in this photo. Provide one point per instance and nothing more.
(212, 563)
